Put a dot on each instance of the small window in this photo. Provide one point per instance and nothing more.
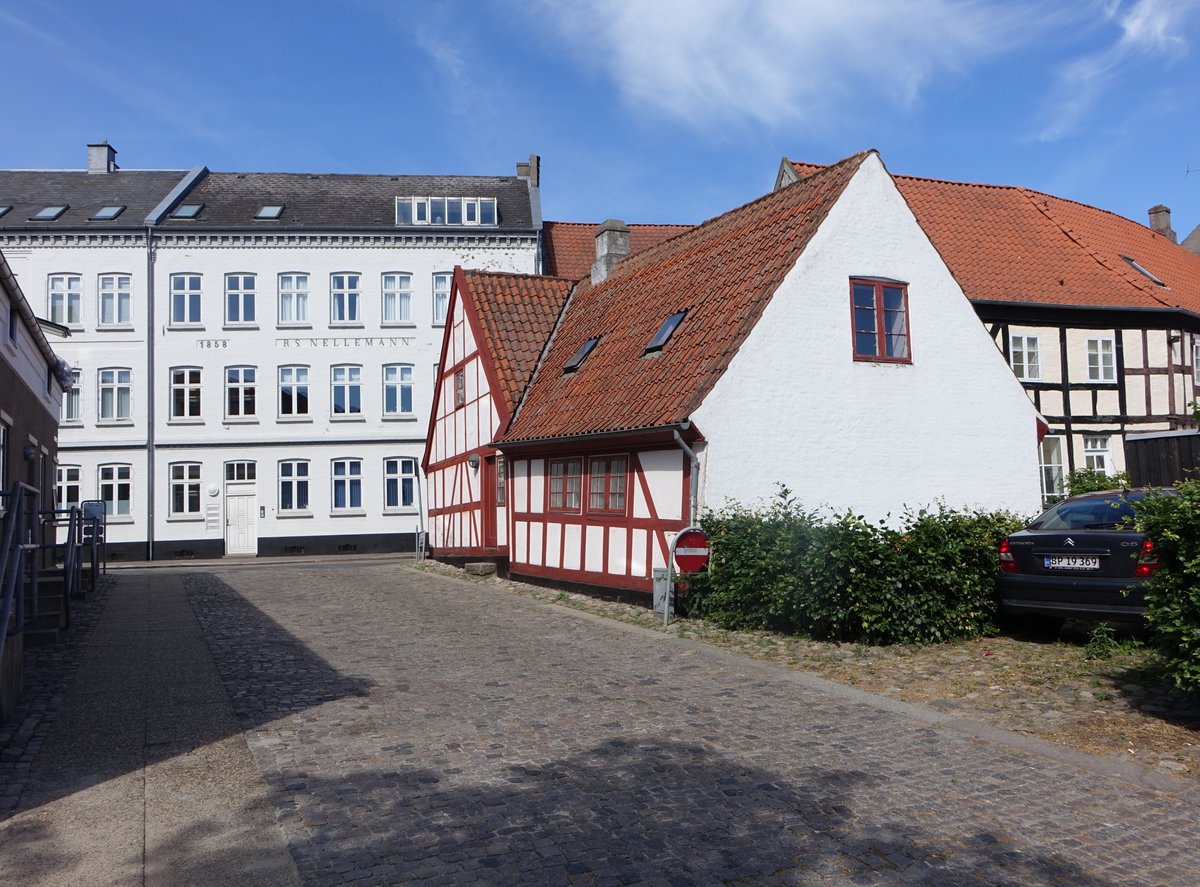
(399, 483)
(564, 491)
(879, 317)
(107, 213)
(665, 331)
(5, 209)
(269, 212)
(404, 211)
(460, 389)
(1101, 359)
(240, 471)
(48, 214)
(606, 484)
(187, 210)
(581, 355)
(1026, 358)
(501, 480)
(1097, 452)
(1143, 271)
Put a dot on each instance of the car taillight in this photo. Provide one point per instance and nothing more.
(1147, 562)
(1007, 563)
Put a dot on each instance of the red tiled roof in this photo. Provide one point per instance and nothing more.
(1010, 244)
(723, 273)
(569, 248)
(517, 313)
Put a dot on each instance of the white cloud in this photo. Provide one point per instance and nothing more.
(782, 62)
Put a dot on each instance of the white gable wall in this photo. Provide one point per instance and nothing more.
(795, 407)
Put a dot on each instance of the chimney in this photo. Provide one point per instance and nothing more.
(531, 170)
(102, 159)
(612, 245)
(1160, 221)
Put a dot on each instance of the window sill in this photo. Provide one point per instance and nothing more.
(288, 515)
(115, 328)
(114, 423)
(71, 423)
(349, 512)
(237, 420)
(402, 417)
(297, 325)
(185, 518)
(187, 327)
(347, 418)
(118, 519)
(294, 420)
(192, 421)
(398, 325)
(346, 325)
(240, 326)
(400, 512)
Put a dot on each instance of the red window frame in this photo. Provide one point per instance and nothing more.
(501, 480)
(879, 320)
(607, 483)
(564, 485)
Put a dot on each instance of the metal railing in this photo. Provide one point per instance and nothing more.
(19, 542)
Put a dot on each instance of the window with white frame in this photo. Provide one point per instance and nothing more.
(185, 299)
(343, 298)
(68, 485)
(185, 393)
(66, 299)
(293, 486)
(397, 298)
(293, 299)
(397, 390)
(1101, 359)
(116, 300)
(239, 299)
(346, 391)
(1026, 358)
(347, 484)
(293, 392)
(441, 297)
(1196, 361)
(240, 392)
(399, 483)
(1097, 452)
(116, 394)
(185, 489)
(445, 211)
(72, 402)
(241, 471)
(116, 489)
(1050, 457)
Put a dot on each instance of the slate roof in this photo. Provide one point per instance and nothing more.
(28, 191)
(1012, 244)
(569, 248)
(722, 272)
(517, 313)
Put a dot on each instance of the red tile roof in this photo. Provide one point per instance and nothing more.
(569, 248)
(1010, 244)
(723, 273)
(517, 313)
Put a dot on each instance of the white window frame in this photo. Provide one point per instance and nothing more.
(72, 402)
(346, 480)
(191, 388)
(292, 378)
(345, 299)
(184, 490)
(65, 298)
(345, 385)
(115, 299)
(241, 470)
(187, 300)
(113, 382)
(1025, 357)
(442, 283)
(241, 391)
(239, 297)
(1196, 360)
(1102, 359)
(397, 384)
(1097, 452)
(68, 478)
(1050, 469)
(399, 484)
(396, 300)
(293, 299)
(294, 476)
(113, 480)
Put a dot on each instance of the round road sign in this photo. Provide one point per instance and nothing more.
(691, 551)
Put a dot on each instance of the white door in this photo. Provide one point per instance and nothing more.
(241, 525)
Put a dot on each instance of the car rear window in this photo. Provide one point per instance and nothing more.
(1086, 514)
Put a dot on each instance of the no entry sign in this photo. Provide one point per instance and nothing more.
(691, 551)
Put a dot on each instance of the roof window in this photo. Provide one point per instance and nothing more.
(664, 332)
(187, 210)
(1141, 270)
(269, 212)
(107, 213)
(5, 208)
(581, 355)
(48, 214)
(446, 211)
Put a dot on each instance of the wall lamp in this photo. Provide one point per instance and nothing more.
(473, 461)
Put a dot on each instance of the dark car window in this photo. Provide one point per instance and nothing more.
(1083, 514)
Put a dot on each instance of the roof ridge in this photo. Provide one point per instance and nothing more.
(484, 272)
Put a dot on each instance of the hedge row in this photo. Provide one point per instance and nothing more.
(783, 568)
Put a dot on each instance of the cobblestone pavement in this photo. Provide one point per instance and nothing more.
(418, 729)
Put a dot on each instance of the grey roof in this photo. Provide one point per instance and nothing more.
(28, 191)
(349, 202)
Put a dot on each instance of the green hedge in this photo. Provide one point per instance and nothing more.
(846, 578)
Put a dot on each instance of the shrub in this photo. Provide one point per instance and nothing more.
(1092, 480)
(1172, 524)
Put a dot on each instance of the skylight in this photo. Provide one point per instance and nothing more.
(269, 212)
(581, 355)
(187, 210)
(1140, 269)
(664, 332)
(4, 209)
(107, 213)
(48, 214)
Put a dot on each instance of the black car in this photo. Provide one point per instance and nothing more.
(1080, 559)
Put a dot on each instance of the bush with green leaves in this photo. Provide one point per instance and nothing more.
(1092, 480)
(1172, 524)
(931, 578)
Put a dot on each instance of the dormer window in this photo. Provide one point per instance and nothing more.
(187, 210)
(581, 355)
(451, 211)
(48, 214)
(665, 332)
(107, 213)
(1141, 270)
(269, 212)
(4, 209)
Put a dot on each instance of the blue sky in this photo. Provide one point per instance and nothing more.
(646, 110)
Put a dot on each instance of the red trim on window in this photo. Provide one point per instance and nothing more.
(881, 334)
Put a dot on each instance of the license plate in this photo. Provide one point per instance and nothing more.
(1072, 562)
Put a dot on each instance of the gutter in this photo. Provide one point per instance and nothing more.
(505, 445)
(694, 460)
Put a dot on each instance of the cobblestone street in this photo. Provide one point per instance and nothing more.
(410, 727)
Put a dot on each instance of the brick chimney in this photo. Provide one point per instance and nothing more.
(1160, 221)
(612, 245)
(102, 159)
(532, 171)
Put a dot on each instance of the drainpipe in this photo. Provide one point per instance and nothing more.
(695, 463)
(150, 393)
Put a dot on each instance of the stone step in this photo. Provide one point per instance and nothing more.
(480, 568)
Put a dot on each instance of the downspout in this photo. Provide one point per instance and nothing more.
(150, 337)
(695, 463)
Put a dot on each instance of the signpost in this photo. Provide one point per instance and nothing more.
(689, 552)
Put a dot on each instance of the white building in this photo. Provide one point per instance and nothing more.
(254, 354)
